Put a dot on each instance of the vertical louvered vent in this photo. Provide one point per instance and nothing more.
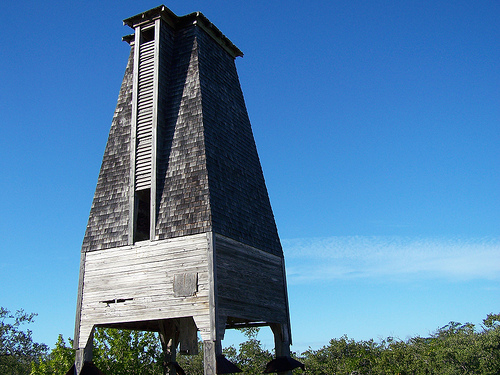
(144, 115)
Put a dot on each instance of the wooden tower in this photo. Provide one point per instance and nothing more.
(181, 237)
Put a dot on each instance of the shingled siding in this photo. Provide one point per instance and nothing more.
(184, 207)
(238, 196)
(108, 220)
(209, 176)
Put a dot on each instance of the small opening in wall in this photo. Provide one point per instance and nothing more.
(117, 300)
(147, 35)
(142, 215)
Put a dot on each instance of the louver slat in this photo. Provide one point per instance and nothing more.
(144, 117)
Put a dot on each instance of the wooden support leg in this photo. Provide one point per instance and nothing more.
(211, 349)
(188, 338)
(281, 343)
(84, 354)
(169, 339)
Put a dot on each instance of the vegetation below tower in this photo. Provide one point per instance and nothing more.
(453, 349)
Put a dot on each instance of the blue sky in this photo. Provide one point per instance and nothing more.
(377, 125)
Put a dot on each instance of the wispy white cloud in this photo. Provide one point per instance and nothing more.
(391, 257)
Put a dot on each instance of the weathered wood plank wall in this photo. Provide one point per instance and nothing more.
(136, 283)
(250, 282)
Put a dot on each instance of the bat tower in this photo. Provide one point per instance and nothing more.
(181, 238)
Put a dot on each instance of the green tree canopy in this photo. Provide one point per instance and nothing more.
(17, 348)
(453, 349)
(58, 362)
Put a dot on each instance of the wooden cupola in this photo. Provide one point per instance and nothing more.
(181, 238)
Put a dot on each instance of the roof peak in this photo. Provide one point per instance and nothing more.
(178, 22)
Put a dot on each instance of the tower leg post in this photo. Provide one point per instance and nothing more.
(281, 343)
(169, 336)
(84, 354)
(211, 349)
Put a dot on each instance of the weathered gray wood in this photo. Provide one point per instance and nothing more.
(133, 136)
(209, 357)
(184, 142)
(142, 278)
(188, 338)
(250, 283)
(155, 138)
(84, 354)
(169, 334)
(212, 293)
(145, 114)
(79, 300)
(185, 284)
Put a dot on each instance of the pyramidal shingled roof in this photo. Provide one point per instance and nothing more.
(208, 174)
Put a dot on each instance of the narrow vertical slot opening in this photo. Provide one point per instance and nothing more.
(142, 215)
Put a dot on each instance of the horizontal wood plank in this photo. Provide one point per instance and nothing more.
(135, 283)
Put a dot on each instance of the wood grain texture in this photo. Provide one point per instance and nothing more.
(250, 283)
(181, 131)
(139, 279)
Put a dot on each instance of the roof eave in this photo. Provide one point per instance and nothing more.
(196, 18)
